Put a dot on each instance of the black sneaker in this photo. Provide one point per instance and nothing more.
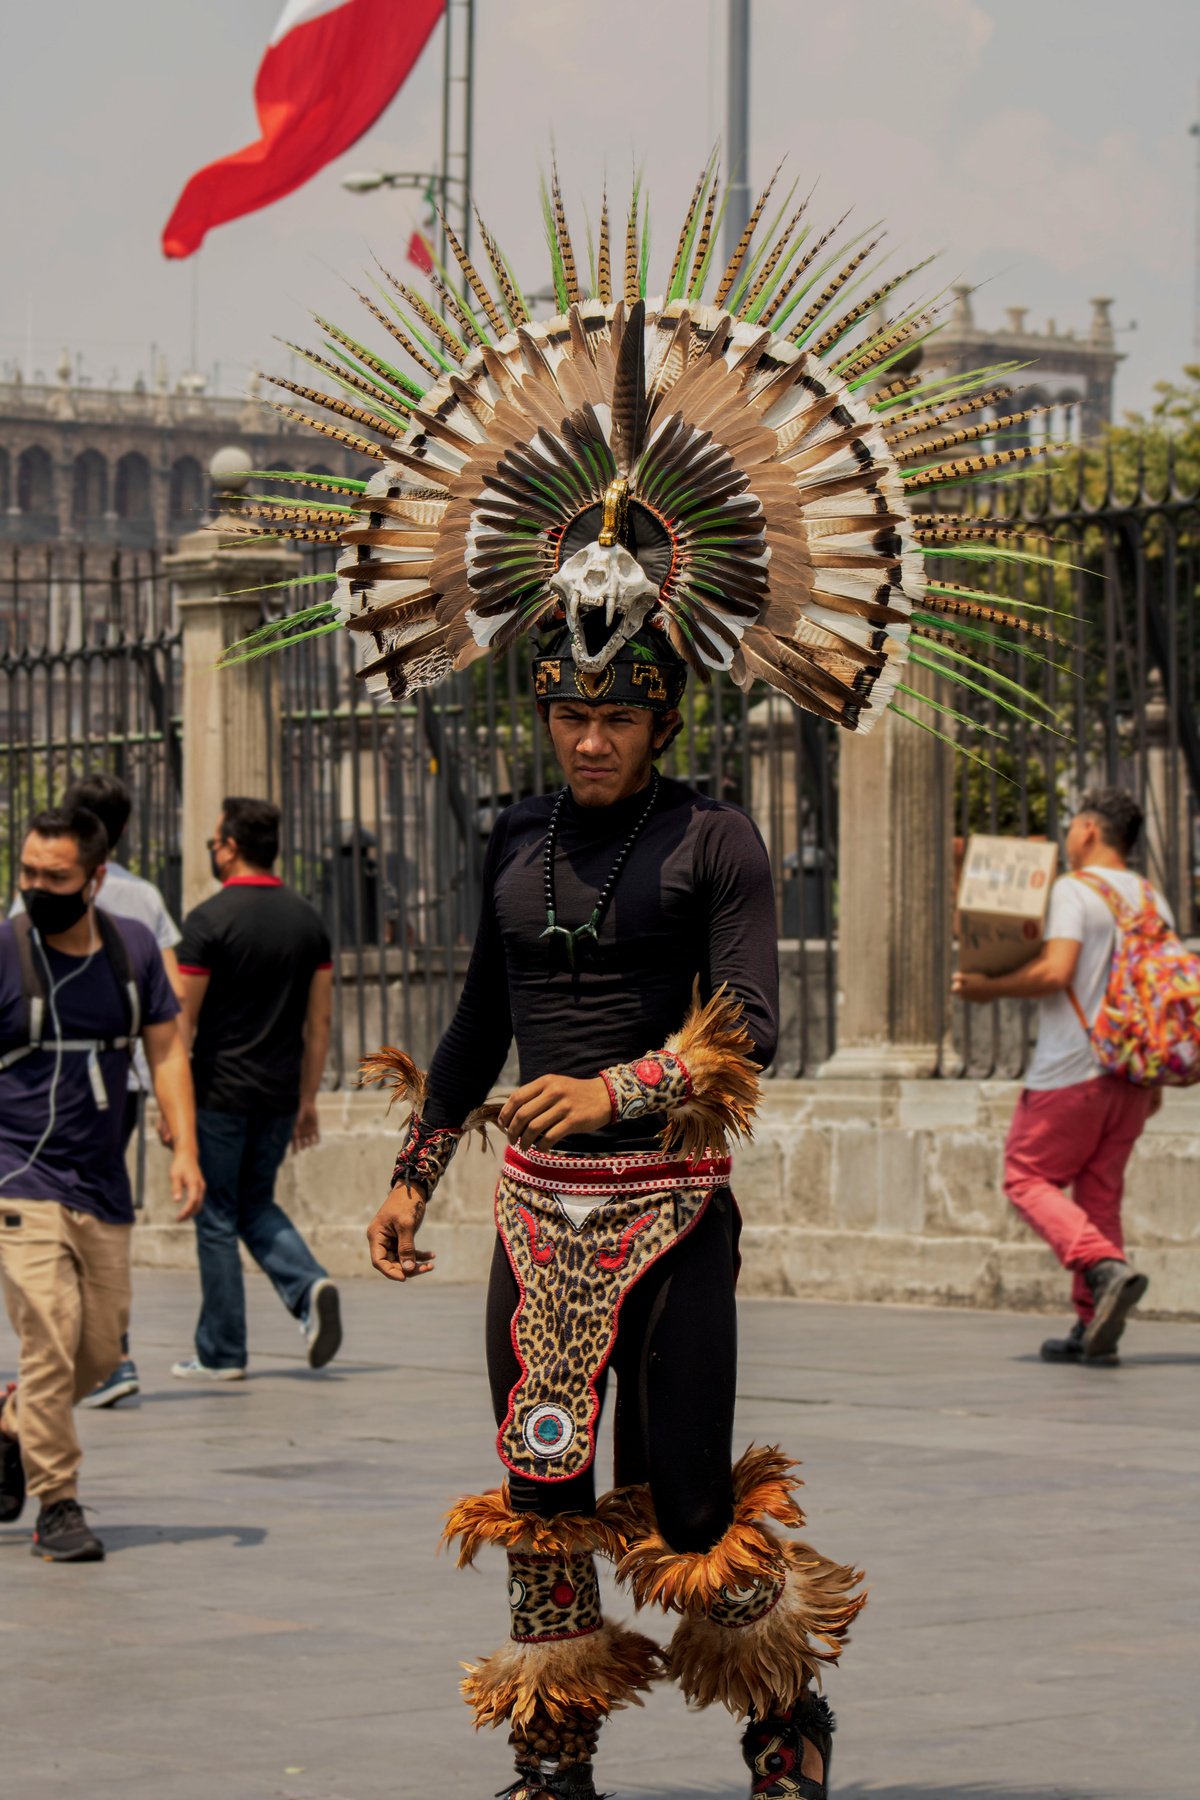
(1116, 1288)
(774, 1751)
(12, 1478)
(62, 1535)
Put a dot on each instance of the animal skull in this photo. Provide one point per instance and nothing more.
(604, 577)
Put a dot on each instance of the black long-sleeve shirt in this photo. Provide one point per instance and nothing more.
(694, 900)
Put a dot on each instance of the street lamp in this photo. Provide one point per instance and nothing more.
(366, 181)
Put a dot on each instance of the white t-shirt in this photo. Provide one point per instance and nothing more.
(1064, 1054)
(130, 896)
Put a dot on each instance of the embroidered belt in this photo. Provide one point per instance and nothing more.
(580, 1232)
(634, 1172)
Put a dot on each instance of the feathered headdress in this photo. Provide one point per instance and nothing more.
(739, 472)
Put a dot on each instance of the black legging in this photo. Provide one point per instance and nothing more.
(675, 1361)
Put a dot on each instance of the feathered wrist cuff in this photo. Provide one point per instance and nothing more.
(425, 1154)
(657, 1083)
(702, 1079)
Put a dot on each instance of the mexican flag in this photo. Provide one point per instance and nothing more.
(330, 69)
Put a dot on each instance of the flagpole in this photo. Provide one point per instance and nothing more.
(458, 124)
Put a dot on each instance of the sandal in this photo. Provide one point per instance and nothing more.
(776, 1749)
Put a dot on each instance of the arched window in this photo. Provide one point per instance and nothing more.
(5, 482)
(35, 481)
(89, 487)
(133, 487)
(1072, 411)
(189, 498)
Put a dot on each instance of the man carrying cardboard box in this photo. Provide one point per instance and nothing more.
(1075, 1127)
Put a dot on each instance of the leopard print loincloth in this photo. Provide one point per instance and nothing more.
(579, 1234)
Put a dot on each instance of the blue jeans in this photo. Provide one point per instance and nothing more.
(240, 1154)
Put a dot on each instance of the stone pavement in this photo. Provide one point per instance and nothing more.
(272, 1624)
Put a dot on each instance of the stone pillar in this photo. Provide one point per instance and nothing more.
(230, 716)
(894, 797)
(1168, 859)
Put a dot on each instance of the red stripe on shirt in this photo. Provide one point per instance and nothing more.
(193, 969)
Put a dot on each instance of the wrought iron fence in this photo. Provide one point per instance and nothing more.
(1120, 668)
(90, 680)
(387, 810)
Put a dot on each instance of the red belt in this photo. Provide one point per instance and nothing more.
(634, 1172)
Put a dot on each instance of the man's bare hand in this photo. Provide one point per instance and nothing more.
(306, 1134)
(187, 1184)
(973, 987)
(554, 1107)
(392, 1236)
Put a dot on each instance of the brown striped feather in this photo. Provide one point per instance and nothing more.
(735, 262)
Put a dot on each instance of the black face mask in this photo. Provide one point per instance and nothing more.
(50, 914)
(216, 872)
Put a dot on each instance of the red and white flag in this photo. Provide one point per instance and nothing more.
(330, 69)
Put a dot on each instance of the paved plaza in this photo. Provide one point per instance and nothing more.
(272, 1623)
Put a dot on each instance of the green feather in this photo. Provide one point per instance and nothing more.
(960, 656)
(302, 475)
(951, 712)
(942, 737)
(265, 587)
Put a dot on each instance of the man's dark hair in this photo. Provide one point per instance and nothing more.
(254, 827)
(1118, 815)
(107, 797)
(76, 822)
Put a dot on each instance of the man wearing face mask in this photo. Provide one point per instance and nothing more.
(76, 992)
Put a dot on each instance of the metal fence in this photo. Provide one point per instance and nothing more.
(387, 810)
(1124, 678)
(90, 680)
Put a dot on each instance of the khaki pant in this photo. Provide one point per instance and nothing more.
(66, 1287)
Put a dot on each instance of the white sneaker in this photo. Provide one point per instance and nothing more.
(192, 1369)
(322, 1323)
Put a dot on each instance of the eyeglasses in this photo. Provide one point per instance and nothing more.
(211, 843)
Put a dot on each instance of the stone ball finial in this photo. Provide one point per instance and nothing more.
(228, 470)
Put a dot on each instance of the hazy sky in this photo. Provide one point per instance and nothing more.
(1041, 144)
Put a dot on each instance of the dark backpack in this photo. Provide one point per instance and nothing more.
(35, 995)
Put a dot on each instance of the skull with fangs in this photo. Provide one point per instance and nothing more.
(608, 599)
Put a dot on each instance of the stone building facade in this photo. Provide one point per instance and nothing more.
(1071, 375)
(101, 470)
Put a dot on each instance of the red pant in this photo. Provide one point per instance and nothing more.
(1077, 1137)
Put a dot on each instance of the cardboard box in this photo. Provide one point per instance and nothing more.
(1002, 902)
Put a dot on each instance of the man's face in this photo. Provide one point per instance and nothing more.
(605, 752)
(51, 864)
(222, 850)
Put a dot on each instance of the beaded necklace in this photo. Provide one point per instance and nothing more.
(591, 928)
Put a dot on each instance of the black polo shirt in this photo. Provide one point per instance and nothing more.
(260, 946)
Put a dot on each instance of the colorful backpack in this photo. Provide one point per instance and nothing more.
(1148, 1028)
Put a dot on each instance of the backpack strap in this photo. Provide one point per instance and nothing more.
(35, 994)
(117, 951)
(33, 981)
(1120, 909)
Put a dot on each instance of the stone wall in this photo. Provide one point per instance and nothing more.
(881, 1190)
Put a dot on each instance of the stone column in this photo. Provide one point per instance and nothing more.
(1168, 863)
(230, 716)
(894, 796)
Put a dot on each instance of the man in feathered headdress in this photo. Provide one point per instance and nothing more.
(674, 483)
(603, 910)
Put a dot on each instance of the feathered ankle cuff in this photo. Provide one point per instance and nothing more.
(761, 1613)
(490, 1518)
(566, 1667)
(591, 1676)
